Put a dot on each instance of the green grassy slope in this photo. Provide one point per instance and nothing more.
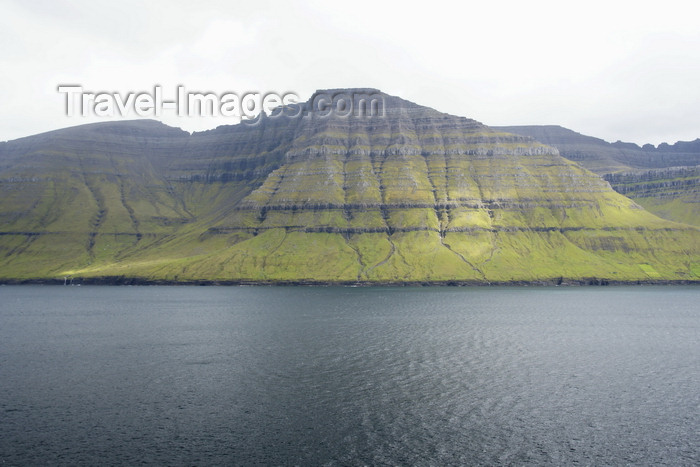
(671, 193)
(664, 179)
(414, 195)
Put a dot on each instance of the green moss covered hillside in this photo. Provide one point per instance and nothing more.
(405, 195)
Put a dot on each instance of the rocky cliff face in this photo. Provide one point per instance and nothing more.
(408, 194)
(672, 192)
(664, 179)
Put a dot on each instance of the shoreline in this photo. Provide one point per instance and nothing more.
(559, 282)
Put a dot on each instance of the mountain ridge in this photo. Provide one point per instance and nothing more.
(664, 179)
(412, 196)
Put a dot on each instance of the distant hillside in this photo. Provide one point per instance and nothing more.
(663, 179)
(410, 196)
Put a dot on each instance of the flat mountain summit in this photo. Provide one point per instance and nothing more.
(308, 195)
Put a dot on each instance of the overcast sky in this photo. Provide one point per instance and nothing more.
(624, 70)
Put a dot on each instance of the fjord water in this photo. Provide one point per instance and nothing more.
(349, 376)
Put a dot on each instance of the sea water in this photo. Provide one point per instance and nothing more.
(349, 376)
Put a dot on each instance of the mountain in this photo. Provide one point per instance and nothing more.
(409, 195)
(664, 179)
